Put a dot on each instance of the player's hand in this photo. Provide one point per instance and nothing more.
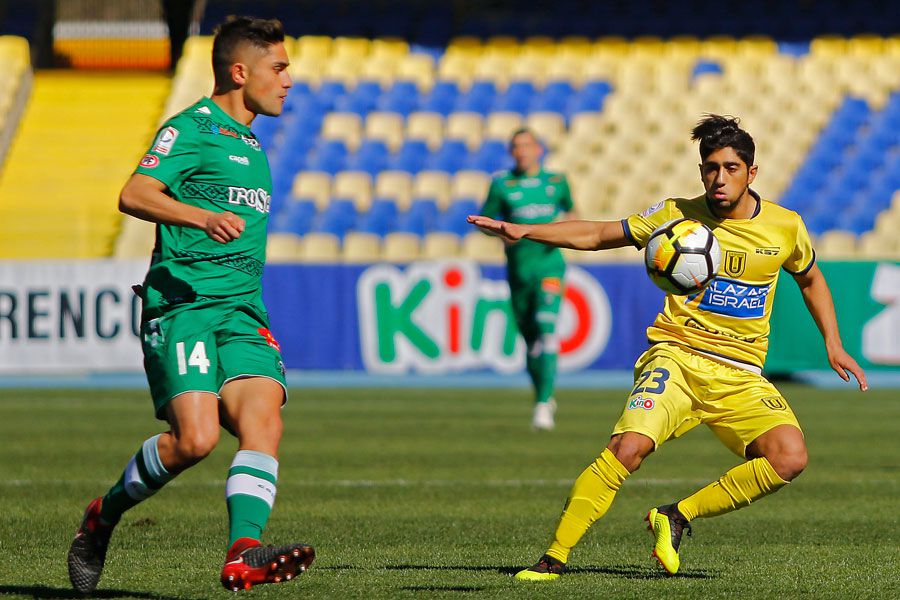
(511, 232)
(224, 227)
(842, 362)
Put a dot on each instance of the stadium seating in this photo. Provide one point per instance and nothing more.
(384, 135)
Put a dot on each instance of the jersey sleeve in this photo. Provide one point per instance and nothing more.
(172, 158)
(639, 226)
(565, 196)
(803, 256)
(493, 205)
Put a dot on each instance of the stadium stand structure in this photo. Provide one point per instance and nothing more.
(375, 150)
(401, 111)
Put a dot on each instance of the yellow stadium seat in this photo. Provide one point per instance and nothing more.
(385, 126)
(531, 68)
(483, 248)
(136, 239)
(350, 47)
(549, 127)
(566, 68)
(320, 247)
(346, 127)
(380, 69)
(426, 126)
(466, 126)
(315, 47)
(876, 245)
(389, 47)
(470, 184)
(284, 247)
(466, 44)
(577, 46)
(400, 247)
(361, 247)
(396, 185)
(501, 125)
(312, 184)
(432, 184)
(828, 45)
(458, 68)
(836, 243)
(502, 45)
(611, 45)
(418, 68)
(308, 70)
(494, 68)
(440, 245)
(355, 185)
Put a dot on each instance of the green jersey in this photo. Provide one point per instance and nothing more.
(208, 160)
(520, 198)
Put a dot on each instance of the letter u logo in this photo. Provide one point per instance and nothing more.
(735, 263)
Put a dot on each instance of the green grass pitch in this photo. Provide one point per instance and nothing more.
(445, 494)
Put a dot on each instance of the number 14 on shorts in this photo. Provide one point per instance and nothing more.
(197, 358)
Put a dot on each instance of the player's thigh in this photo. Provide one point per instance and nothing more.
(251, 409)
(742, 406)
(522, 301)
(179, 356)
(247, 349)
(661, 403)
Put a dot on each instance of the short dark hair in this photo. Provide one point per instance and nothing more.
(716, 132)
(235, 30)
(523, 131)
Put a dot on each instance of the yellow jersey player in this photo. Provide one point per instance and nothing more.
(706, 351)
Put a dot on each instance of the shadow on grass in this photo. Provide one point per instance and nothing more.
(624, 571)
(53, 593)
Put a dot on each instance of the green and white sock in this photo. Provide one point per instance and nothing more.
(541, 366)
(250, 494)
(143, 476)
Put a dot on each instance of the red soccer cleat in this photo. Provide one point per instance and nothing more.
(248, 563)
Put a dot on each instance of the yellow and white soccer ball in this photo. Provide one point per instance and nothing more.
(682, 256)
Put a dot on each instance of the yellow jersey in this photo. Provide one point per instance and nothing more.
(729, 319)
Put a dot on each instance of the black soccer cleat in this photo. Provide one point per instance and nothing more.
(88, 550)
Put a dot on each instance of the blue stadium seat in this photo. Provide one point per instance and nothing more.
(402, 98)
(703, 67)
(338, 218)
(491, 157)
(479, 99)
(295, 216)
(421, 217)
(372, 157)
(450, 157)
(327, 155)
(329, 91)
(517, 97)
(381, 218)
(411, 157)
(453, 220)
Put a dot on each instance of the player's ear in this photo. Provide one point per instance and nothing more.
(751, 174)
(239, 73)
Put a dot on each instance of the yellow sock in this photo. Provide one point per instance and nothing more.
(589, 500)
(736, 489)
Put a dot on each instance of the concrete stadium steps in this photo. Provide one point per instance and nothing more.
(81, 136)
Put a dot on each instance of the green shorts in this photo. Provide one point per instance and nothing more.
(203, 346)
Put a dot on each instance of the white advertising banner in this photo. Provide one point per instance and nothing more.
(69, 316)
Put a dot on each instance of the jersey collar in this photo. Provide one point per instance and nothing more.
(221, 114)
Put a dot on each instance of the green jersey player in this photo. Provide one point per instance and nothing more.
(208, 352)
(529, 194)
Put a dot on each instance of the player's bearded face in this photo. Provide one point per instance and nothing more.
(268, 81)
(726, 178)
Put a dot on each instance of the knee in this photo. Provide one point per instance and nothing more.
(631, 449)
(790, 464)
(194, 445)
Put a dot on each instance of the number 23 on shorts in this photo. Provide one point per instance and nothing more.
(651, 382)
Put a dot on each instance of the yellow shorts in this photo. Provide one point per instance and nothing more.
(676, 389)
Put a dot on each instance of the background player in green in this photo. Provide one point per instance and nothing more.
(529, 194)
(208, 352)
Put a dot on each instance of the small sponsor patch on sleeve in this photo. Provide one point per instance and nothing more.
(165, 140)
(149, 161)
(652, 209)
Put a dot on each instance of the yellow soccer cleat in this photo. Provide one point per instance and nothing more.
(546, 569)
(667, 524)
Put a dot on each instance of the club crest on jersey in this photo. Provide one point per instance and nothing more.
(774, 402)
(734, 263)
(149, 161)
(251, 141)
(165, 140)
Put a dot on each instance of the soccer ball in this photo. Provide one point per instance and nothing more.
(682, 256)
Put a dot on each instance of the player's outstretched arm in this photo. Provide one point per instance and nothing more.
(144, 197)
(821, 306)
(578, 235)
